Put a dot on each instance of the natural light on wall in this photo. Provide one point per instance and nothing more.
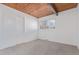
(30, 25)
(33, 25)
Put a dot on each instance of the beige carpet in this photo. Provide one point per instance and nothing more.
(40, 47)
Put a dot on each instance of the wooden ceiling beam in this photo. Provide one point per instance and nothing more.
(41, 9)
(54, 7)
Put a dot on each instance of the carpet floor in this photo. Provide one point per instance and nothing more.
(40, 47)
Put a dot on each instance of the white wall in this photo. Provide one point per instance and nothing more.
(66, 28)
(12, 27)
(78, 26)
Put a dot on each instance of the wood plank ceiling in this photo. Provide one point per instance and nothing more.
(41, 9)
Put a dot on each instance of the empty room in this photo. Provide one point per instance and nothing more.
(39, 29)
